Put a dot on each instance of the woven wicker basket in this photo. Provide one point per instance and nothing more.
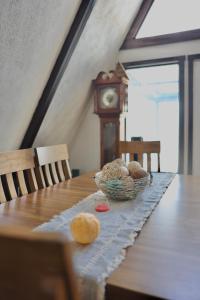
(119, 189)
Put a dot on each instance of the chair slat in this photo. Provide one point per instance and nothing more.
(2, 194)
(148, 162)
(66, 169)
(32, 180)
(54, 173)
(22, 183)
(40, 177)
(11, 186)
(158, 162)
(60, 172)
(47, 175)
(140, 158)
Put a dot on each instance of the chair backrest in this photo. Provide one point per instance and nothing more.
(140, 148)
(53, 165)
(35, 265)
(17, 176)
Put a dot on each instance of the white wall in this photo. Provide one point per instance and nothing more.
(70, 118)
(31, 35)
(196, 118)
(85, 150)
(162, 51)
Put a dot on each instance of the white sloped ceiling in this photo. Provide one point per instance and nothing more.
(70, 118)
(31, 35)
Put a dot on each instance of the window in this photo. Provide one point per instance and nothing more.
(170, 16)
(154, 110)
(163, 22)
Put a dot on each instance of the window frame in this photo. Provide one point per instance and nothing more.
(132, 42)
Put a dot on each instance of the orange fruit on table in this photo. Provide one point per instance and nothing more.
(85, 228)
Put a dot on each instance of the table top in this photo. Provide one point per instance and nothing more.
(164, 261)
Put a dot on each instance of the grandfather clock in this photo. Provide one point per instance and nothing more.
(110, 99)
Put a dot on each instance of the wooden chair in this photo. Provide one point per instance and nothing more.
(17, 176)
(141, 147)
(53, 165)
(35, 265)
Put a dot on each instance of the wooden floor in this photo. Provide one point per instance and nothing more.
(164, 262)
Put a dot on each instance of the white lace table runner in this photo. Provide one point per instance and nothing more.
(119, 228)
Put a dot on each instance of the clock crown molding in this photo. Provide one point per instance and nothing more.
(113, 76)
(107, 78)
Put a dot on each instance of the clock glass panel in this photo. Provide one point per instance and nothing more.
(108, 98)
(109, 141)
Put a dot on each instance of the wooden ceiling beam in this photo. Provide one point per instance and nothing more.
(138, 21)
(58, 70)
(163, 39)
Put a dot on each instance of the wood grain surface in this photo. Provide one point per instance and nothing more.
(36, 265)
(38, 207)
(164, 262)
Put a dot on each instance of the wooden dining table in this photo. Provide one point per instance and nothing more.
(163, 263)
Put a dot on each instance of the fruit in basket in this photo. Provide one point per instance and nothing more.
(119, 183)
(85, 228)
(119, 162)
(139, 173)
(113, 171)
(124, 171)
(133, 166)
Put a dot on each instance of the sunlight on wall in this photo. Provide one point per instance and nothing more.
(153, 110)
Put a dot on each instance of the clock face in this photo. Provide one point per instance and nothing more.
(108, 98)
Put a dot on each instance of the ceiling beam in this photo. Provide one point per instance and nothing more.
(138, 21)
(58, 70)
(163, 39)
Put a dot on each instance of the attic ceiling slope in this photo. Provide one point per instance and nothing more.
(31, 36)
(58, 70)
(70, 117)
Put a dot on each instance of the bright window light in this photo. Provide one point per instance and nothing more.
(170, 16)
(153, 110)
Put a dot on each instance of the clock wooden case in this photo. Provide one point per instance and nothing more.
(110, 94)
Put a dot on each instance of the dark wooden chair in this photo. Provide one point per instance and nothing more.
(53, 165)
(140, 148)
(35, 266)
(17, 176)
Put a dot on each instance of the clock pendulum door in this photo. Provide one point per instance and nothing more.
(109, 139)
